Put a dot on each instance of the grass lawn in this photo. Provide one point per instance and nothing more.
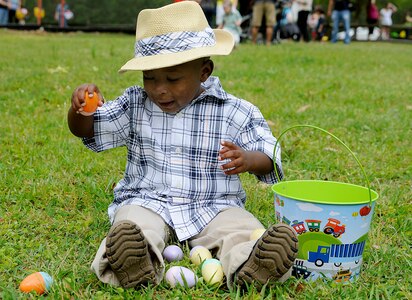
(54, 192)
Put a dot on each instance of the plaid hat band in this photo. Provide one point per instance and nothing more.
(175, 34)
(174, 42)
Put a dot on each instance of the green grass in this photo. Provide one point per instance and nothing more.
(54, 192)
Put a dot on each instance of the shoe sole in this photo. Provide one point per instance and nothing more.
(128, 254)
(272, 256)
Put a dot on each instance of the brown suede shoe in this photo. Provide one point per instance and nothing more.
(272, 256)
(128, 254)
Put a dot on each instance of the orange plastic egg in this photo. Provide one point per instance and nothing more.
(39, 282)
(91, 104)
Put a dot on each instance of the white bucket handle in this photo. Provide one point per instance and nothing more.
(337, 139)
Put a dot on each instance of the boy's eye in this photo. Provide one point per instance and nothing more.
(172, 79)
(147, 77)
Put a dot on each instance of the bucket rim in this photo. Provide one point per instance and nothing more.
(374, 194)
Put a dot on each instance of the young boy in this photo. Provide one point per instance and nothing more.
(187, 140)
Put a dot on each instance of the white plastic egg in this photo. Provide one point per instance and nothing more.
(257, 233)
(180, 276)
(173, 253)
(199, 254)
(212, 271)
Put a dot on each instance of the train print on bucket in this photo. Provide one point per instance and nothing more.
(331, 240)
(333, 226)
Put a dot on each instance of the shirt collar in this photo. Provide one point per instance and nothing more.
(213, 88)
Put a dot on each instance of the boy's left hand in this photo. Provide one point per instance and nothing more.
(239, 158)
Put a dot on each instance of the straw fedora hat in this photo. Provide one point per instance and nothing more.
(175, 34)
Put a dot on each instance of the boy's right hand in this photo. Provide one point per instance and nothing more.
(78, 96)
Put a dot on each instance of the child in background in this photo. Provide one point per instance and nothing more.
(287, 15)
(187, 140)
(63, 14)
(320, 26)
(220, 11)
(386, 19)
(287, 25)
(231, 21)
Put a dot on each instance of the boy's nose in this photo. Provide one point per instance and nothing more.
(161, 88)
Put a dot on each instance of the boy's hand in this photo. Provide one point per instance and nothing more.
(241, 161)
(239, 158)
(81, 125)
(78, 100)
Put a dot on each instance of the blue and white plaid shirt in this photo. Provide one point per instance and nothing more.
(172, 162)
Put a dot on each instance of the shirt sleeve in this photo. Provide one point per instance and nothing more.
(111, 125)
(257, 136)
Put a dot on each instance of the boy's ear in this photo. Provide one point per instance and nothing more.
(207, 69)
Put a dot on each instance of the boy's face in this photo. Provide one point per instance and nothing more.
(173, 88)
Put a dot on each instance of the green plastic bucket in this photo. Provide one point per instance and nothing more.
(331, 219)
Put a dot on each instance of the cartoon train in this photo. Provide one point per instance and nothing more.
(333, 226)
(298, 226)
(285, 220)
(313, 225)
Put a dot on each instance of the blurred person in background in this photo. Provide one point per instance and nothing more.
(304, 9)
(220, 10)
(231, 21)
(263, 8)
(372, 15)
(339, 11)
(63, 14)
(386, 20)
(209, 9)
(4, 12)
(14, 5)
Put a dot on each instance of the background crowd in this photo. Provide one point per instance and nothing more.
(260, 21)
(270, 21)
(15, 12)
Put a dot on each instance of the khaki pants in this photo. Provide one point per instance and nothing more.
(264, 8)
(227, 236)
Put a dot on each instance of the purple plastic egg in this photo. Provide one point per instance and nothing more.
(173, 253)
(181, 276)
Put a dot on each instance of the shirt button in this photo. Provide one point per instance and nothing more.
(178, 150)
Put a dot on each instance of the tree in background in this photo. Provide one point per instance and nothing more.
(124, 12)
(94, 12)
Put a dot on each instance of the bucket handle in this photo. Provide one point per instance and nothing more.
(337, 139)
